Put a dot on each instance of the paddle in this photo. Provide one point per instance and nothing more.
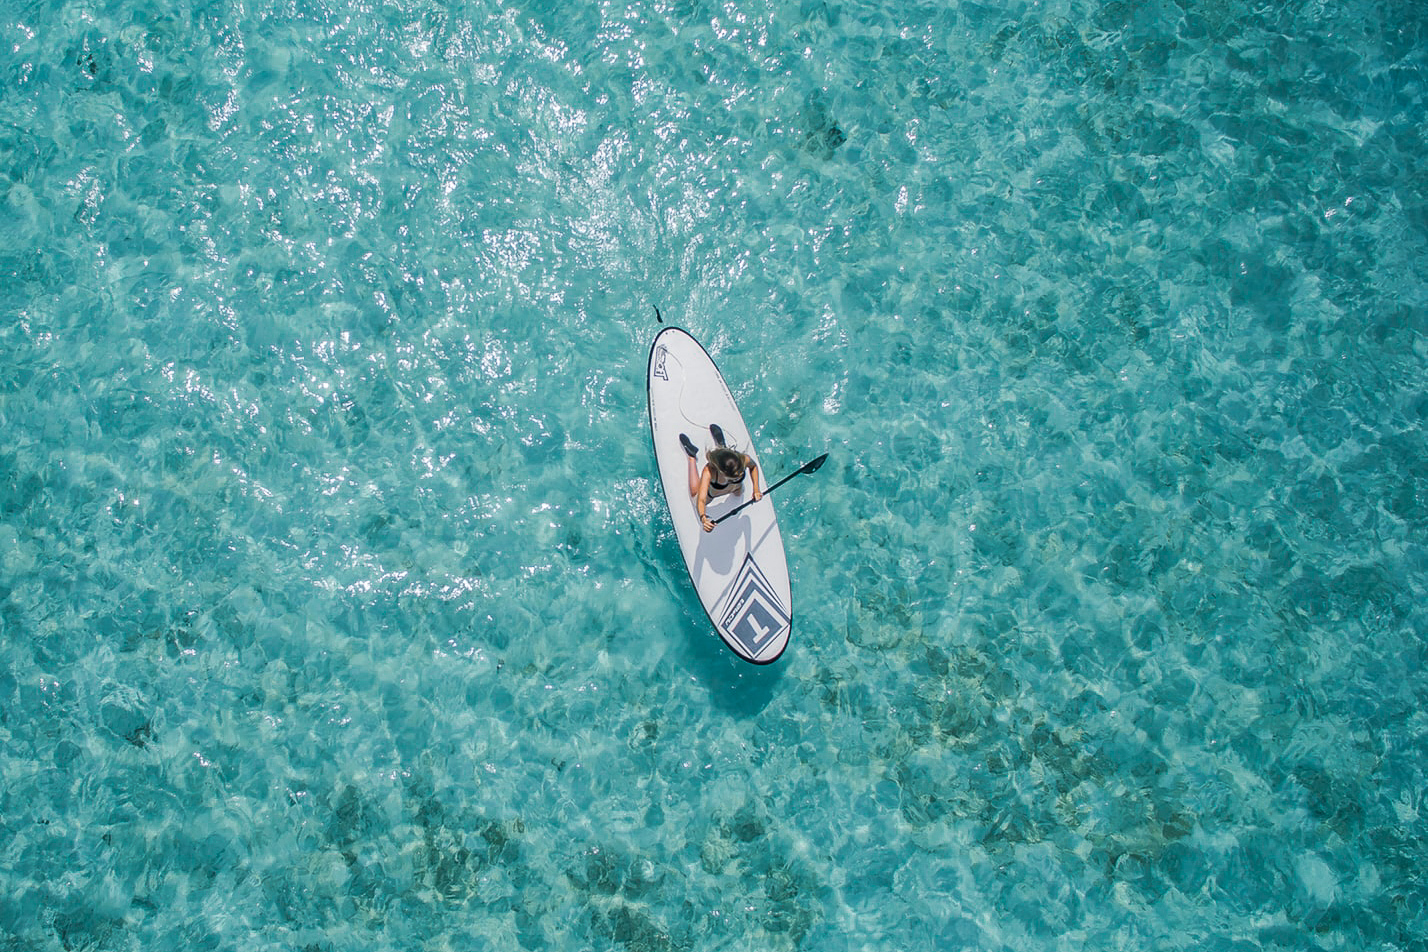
(806, 469)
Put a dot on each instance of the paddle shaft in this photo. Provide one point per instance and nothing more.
(809, 467)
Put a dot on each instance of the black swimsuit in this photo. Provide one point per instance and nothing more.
(725, 487)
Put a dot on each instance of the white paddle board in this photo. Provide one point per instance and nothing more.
(739, 570)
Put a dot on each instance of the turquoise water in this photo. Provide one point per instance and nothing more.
(339, 608)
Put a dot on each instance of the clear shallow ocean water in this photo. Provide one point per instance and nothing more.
(339, 608)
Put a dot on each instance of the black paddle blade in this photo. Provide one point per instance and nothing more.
(813, 465)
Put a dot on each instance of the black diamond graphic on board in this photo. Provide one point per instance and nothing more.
(751, 612)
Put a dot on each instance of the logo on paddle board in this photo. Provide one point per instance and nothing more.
(752, 613)
(659, 370)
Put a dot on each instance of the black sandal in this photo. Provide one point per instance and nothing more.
(688, 446)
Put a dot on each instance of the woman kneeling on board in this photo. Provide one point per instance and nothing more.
(723, 474)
